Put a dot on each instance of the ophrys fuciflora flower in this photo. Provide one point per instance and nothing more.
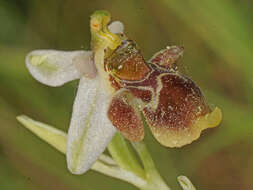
(117, 86)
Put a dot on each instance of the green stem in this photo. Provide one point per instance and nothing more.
(123, 155)
(154, 180)
(145, 157)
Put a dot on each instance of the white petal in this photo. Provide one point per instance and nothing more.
(90, 130)
(54, 68)
(116, 27)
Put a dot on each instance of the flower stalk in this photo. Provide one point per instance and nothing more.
(124, 156)
(153, 178)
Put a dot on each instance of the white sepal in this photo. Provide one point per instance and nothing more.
(54, 68)
(90, 130)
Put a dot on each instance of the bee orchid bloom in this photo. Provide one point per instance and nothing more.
(117, 86)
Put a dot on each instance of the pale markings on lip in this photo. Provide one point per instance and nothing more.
(145, 88)
(153, 105)
(163, 69)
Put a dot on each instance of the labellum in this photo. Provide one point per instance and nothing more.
(171, 103)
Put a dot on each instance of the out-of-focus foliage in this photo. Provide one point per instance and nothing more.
(217, 35)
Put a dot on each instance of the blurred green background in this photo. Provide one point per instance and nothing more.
(218, 40)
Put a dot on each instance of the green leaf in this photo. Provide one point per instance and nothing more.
(51, 135)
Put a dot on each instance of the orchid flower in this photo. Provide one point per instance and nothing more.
(117, 87)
